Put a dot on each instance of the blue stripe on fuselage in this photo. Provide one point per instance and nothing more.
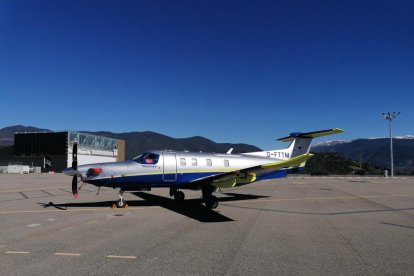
(156, 180)
(152, 180)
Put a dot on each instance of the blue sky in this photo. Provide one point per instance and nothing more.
(231, 71)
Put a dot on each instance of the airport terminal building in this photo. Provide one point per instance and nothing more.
(53, 150)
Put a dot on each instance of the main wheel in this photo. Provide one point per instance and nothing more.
(120, 203)
(179, 196)
(211, 202)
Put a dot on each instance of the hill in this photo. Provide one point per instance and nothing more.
(7, 133)
(331, 163)
(374, 151)
(138, 142)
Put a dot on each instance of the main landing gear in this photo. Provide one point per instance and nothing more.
(178, 195)
(121, 203)
(210, 201)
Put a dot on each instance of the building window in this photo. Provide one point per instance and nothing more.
(226, 163)
(194, 161)
(209, 163)
(182, 161)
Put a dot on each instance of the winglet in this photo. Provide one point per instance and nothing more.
(229, 151)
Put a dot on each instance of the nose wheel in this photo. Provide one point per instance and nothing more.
(121, 202)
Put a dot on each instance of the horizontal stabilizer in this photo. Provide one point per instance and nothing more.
(313, 134)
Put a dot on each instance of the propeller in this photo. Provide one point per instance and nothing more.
(75, 167)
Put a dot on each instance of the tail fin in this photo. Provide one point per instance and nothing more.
(300, 144)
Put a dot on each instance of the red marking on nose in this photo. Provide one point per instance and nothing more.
(96, 170)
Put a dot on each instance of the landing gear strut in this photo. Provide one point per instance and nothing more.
(121, 203)
(210, 201)
(178, 195)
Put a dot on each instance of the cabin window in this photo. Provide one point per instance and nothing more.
(194, 161)
(147, 158)
(209, 163)
(182, 161)
(226, 163)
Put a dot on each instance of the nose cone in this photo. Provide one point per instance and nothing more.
(70, 172)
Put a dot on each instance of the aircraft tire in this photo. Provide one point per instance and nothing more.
(179, 196)
(120, 203)
(212, 202)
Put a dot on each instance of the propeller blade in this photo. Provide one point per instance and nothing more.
(75, 186)
(75, 156)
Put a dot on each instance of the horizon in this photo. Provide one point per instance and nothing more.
(319, 141)
(228, 71)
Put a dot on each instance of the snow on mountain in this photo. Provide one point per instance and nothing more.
(332, 143)
(337, 142)
(408, 137)
(405, 137)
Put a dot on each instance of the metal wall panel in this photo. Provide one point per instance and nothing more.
(36, 144)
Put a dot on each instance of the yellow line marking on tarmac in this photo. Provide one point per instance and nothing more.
(121, 257)
(317, 198)
(75, 210)
(3, 245)
(90, 222)
(29, 190)
(68, 228)
(67, 254)
(17, 252)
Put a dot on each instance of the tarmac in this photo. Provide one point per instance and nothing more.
(292, 226)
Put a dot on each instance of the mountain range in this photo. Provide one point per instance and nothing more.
(138, 142)
(375, 151)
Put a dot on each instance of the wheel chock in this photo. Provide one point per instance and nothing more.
(113, 206)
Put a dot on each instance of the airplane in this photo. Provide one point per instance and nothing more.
(207, 172)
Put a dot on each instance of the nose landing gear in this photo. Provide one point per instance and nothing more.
(120, 203)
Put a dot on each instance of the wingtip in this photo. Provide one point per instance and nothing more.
(338, 130)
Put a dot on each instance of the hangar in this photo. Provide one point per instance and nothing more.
(53, 150)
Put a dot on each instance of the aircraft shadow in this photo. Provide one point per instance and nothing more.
(191, 208)
(321, 213)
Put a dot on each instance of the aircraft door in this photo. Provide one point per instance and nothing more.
(170, 167)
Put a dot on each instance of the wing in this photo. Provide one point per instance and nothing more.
(249, 175)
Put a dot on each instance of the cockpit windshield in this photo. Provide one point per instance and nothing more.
(147, 158)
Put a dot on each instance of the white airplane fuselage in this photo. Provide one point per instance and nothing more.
(170, 169)
(196, 170)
